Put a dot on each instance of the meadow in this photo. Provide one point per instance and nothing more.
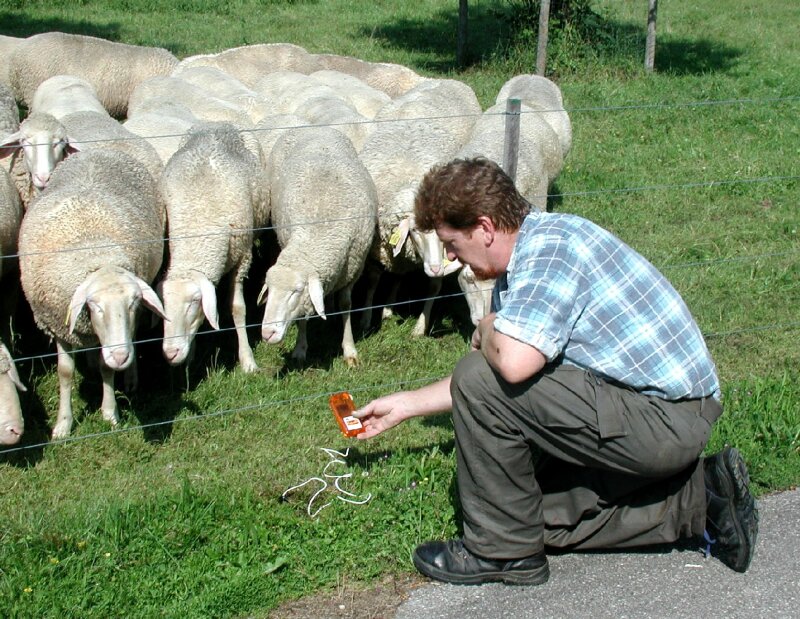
(179, 512)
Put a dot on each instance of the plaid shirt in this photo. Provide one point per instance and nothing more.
(574, 290)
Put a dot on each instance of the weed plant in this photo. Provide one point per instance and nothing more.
(179, 513)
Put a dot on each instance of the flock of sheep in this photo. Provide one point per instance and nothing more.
(106, 215)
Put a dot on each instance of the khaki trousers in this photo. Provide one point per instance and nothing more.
(569, 460)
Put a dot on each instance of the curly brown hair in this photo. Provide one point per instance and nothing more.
(457, 193)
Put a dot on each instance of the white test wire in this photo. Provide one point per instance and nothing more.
(336, 457)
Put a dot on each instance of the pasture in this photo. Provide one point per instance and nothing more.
(178, 512)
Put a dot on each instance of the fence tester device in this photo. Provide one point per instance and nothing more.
(342, 406)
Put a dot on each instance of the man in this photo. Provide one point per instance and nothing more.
(589, 357)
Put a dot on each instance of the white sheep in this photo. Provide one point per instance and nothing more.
(270, 128)
(544, 96)
(7, 45)
(364, 98)
(64, 94)
(92, 240)
(222, 85)
(250, 63)
(46, 141)
(11, 421)
(393, 79)
(477, 292)
(323, 209)
(422, 128)
(162, 123)
(10, 218)
(338, 114)
(540, 157)
(285, 91)
(215, 190)
(114, 69)
(9, 125)
(200, 102)
(9, 112)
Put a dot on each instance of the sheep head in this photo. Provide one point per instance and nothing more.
(112, 296)
(188, 300)
(11, 422)
(289, 294)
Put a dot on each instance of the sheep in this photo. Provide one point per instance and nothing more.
(477, 292)
(284, 91)
(338, 114)
(9, 112)
(270, 128)
(540, 157)
(114, 69)
(393, 79)
(323, 209)
(433, 119)
(162, 123)
(544, 96)
(10, 218)
(364, 98)
(11, 421)
(223, 86)
(46, 141)
(7, 45)
(215, 187)
(201, 103)
(64, 94)
(92, 240)
(250, 63)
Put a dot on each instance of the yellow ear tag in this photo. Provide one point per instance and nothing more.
(445, 262)
(395, 238)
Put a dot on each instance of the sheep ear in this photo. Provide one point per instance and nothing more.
(150, 298)
(71, 147)
(12, 374)
(10, 145)
(400, 235)
(317, 295)
(208, 297)
(262, 296)
(76, 304)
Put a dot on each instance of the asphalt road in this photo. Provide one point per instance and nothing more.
(663, 583)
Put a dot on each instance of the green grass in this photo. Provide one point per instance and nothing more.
(182, 517)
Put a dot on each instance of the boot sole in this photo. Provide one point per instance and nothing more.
(536, 576)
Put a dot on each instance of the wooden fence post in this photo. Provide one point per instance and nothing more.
(463, 31)
(650, 45)
(541, 45)
(511, 145)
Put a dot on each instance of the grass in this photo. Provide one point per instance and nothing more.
(180, 514)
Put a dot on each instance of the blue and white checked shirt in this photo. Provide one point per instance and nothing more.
(574, 289)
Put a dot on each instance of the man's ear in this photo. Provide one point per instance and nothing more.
(486, 225)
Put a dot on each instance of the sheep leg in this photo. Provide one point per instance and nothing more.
(424, 320)
(301, 346)
(373, 275)
(109, 403)
(246, 359)
(348, 345)
(66, 370)
(388, 312)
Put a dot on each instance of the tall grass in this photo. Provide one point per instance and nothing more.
(180, 513)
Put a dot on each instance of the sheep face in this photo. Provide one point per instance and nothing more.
(289, 295)
(44, 146)
(11, 422)
(113, 296)
(187, 302)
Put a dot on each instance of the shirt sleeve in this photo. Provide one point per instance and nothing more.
(546, 292)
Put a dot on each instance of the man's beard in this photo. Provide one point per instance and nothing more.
(487, 274)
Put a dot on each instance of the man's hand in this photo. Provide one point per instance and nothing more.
(383, 413)
(485, 325)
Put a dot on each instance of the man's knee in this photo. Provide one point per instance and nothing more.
(469, 375)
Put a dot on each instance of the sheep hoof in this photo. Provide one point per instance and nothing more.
(111, 416)
(387, 312)
(352, 361)
(248, 366)
(62, 430)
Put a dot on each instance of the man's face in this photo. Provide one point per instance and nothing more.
(469, 247)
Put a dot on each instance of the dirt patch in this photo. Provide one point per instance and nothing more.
(351, 601)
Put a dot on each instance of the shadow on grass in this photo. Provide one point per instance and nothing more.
(490, 35)
(20, 26)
